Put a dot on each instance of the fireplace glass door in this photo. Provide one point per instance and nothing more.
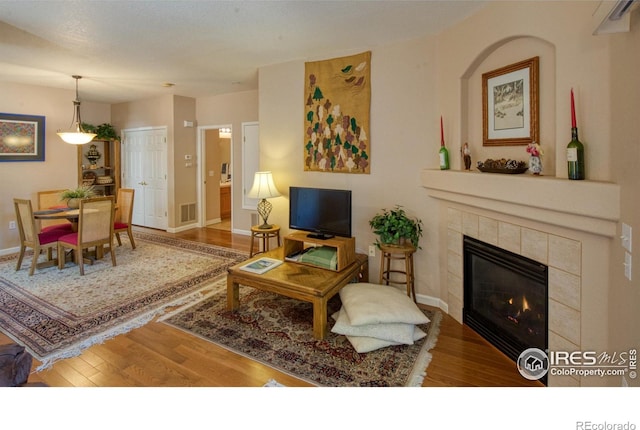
(505, 297)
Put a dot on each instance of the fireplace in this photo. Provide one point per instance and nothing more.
(505, 297)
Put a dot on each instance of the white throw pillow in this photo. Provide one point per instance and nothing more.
(364, 344)
(367, 303)
(393, 332)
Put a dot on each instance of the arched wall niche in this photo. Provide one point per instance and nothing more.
(502, 53)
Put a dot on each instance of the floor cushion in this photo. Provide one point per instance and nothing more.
(367, 303)
(364, 344)
(393, 332)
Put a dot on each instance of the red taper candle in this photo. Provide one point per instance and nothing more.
(441, 132)
(573, 111)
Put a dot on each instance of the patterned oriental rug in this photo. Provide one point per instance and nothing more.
(58, 313)
(278, 331)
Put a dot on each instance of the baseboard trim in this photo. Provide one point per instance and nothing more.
(9, 251)
(432, 301)
(182, 228)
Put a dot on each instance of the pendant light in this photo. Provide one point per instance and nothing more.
(77, 136)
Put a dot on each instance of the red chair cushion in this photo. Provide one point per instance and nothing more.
(71, 239)
(46, 237)
(120, 225)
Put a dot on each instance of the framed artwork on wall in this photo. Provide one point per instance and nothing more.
(21, 137)
(510, 104)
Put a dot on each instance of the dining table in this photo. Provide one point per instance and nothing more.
(60, 213)
(72, 215)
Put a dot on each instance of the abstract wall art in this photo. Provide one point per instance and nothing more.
(21, 137)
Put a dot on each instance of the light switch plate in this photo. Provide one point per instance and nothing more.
(627, 265)
(626, 237)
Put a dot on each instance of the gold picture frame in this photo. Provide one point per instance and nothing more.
(510, 104)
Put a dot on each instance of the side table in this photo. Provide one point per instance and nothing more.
(398, 252)
(263, 234)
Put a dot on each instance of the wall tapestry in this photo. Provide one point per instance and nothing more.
(336, 125)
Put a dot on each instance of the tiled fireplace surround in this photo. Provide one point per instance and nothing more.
(567, 225)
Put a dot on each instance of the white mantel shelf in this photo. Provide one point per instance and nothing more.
(589, 206)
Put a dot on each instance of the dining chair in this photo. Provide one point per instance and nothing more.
(95, 229)
(48, 200)
(124, 215)
(29, 236)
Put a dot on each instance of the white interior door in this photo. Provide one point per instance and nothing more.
(144, 168)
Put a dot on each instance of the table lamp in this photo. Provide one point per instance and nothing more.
(263, 188)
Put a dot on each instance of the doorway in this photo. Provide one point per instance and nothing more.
(215, 184)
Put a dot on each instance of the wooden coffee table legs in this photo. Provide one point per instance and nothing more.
(233, 294)
(319, 318)
(319, 307)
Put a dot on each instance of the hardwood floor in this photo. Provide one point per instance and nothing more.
(158, 355)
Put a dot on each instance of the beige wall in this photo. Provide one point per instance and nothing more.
(185, 177)
(233, 109)
(167, 111)
(172, 111)
(404, 137)
(59, 170)
(155, 112)
(624, 297)
(506, 32)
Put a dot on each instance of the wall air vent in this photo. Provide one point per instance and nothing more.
(188, 212)
(612, 16)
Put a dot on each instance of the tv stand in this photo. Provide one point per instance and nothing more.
(345, 247)
(320, 236)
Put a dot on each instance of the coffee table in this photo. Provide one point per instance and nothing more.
(297, 281)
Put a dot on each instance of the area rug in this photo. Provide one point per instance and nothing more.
(58, 313)
(278, 331)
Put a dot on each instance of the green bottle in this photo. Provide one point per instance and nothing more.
(444, 157)
(575, 156)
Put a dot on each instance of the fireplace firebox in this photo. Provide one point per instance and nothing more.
(505, 297)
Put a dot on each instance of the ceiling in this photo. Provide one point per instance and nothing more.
(130, 50)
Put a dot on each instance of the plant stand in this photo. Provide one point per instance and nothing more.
(398, 252)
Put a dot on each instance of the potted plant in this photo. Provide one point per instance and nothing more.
(394, 226)
(106, 132)
(73, 196)
(103, 131)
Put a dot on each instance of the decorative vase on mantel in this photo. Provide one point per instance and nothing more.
(535, 164)
(535, 161)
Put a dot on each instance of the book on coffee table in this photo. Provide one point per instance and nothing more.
(261, 265)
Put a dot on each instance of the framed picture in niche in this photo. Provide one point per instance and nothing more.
(21, 137)
(510, 104)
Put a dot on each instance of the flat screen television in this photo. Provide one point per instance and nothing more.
(323, 212)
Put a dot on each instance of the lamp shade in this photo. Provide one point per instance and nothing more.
(76, 136)
(263, 187)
